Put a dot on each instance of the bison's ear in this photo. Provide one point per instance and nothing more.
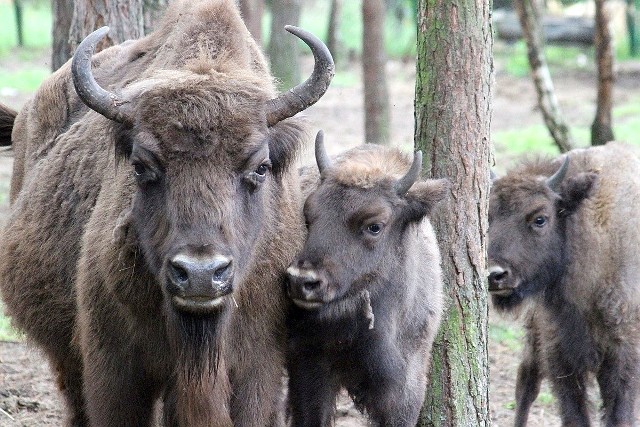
(423, 196)
(285, 141)
(575, 189)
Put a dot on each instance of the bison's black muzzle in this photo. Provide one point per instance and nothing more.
(306, 288)
(199, 284)
(501, 281)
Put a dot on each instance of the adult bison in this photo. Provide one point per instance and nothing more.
(150, 232)
(366, 289)
(565, 235)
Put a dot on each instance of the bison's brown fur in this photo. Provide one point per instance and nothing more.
(570, 247)
(366, 289)
(82, 270)
(7, 117)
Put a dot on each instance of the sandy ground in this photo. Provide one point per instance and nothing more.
(27, 393)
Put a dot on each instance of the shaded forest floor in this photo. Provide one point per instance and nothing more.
(27, 392)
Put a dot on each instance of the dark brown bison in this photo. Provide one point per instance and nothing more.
(565, 235)
(151, 228)
(366, 289)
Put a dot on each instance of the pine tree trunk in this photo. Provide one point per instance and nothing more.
(453, 114)
(125, 19)
(283, 47)
(62, 16)
(528, 15)
(252, 11)
(601, 131)
(376, 94)
(152, 12)
(333, 40)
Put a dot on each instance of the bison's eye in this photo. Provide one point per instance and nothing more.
(374, 229)
(262, 170)
(540, 221)
(139, 169)
(143, 173)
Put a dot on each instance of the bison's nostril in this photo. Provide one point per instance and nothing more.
(179, 274)
(222, 271)
(498, 277)
(311, 285)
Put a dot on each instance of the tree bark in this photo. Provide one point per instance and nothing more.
(376, 94)
(333, 40)
(283, 47)
(17, 8)
(530, 22)
(601, 131)
(125, 19)
(453, 115)
(152, 13)
(62, 16)
(252, 11)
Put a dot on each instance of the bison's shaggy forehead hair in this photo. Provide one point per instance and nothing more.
(515, 191)
(211, 102)
(367, 166)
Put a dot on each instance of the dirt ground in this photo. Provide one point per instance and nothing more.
(27, 393)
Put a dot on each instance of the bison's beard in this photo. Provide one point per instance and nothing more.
(195, 343)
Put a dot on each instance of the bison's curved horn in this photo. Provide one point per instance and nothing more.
(322, 158)
(307, 93)
(554, 181)
(96, 98)
(404, 184)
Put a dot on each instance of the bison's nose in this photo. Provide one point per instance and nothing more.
(307, 288)
(499, 280)
(200, 278)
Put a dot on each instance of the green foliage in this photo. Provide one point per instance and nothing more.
(400, 32)
(514, 58)
(7, 333)
(37, 20)
(510, 144)
(24, 80)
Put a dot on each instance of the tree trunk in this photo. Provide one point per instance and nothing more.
(152, 12)
(631, 15)
(125, 19)
(17, 7)
(252, 11)
(62, 16)
(453, 114)
(530, 22)
(376, 94)
(601, 131)
(283, 47)
(333, 40)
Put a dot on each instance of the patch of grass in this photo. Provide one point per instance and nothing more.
(25, 80)
(510, 336)
(7, 333)
(546, 398)
(514, 57)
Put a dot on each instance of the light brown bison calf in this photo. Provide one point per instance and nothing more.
(153, 216)
(564, 235)
(366, 289)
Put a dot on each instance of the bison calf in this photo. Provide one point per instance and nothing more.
(565, 235)
(366, 289)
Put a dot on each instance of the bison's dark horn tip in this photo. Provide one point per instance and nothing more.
(556, 179)
(404, 184)
(95, 97)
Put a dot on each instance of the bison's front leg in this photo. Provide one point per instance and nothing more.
(618, 381)
(312, 390)
(529, 379)
(395, 386)
(118, 388)
(570, 387)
